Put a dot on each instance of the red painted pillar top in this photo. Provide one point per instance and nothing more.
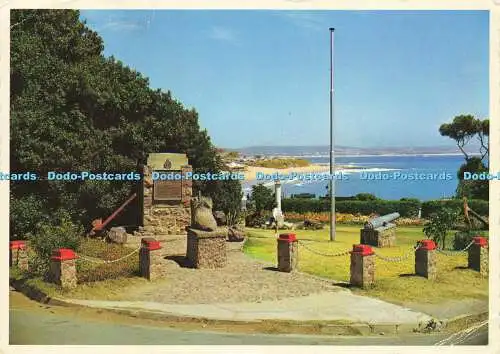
(480, 241)
(427, 245)
(363, 250)
(17, 245)
(289, 237)
(150, 243)
(63, 254)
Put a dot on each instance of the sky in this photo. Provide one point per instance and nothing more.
(263, 77)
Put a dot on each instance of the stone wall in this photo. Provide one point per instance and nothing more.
(206, 249)
(379, 237)
(165, 218)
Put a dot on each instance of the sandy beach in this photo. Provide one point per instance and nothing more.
(251, 171)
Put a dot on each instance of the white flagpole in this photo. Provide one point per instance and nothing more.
(332, 145)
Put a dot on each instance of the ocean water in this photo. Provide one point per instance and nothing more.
(363, 179)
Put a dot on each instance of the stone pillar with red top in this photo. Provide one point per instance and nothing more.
(63, 268)
(150, 259)
(287, 252)
(18, 255)
(362, 266)
(478, 255)
(426, 259)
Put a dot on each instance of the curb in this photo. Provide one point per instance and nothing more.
(265, 326)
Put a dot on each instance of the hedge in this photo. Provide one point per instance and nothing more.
(479, 206)
(404, 208)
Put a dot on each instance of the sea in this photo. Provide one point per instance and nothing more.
(387, 177)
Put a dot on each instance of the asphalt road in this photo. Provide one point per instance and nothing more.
(32, 323)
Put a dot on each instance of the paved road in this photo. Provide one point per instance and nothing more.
(28, 327)
(32, 323)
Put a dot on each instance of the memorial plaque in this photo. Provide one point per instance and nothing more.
(167, 190)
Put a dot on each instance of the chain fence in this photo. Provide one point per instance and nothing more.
(454, 252)
(324, 254)
(101, 261)
(402, 258)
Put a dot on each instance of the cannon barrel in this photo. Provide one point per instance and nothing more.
(381, 221)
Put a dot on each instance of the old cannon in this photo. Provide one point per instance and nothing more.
(381, 221)
(379, 231)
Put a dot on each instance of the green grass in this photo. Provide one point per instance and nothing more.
(395, 281)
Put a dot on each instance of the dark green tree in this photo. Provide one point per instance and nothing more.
(463, 129)
(262, 198)
(72, 109)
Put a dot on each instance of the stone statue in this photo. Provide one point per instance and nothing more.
(201, 214)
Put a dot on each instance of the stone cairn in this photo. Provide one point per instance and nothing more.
(478, 255)
(160, 219)
(379, 232)
(63, 268)
(426, 259)
(287, 252)
(18, 255)
(362, 266)
(206, 243)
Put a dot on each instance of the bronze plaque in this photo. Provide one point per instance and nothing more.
(167, 190)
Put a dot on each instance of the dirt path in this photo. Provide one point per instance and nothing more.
(242, 280)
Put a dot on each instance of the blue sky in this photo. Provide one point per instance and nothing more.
(262, 77)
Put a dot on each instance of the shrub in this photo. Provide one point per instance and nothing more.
(365, 196)
(381, 207)
(479, 206)
(439, 224)
(262, 197)
(256, 220)
(463, 238)
(62, 234)
(92, 272)
(304, 195)
(25, 213)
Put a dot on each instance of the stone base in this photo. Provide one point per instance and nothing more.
(380, 237)
(63, 273)
(478, 259)
(150, 264)
(287, 255)
(206, 249)
(362, 270)
(18, 258)
(166, 220)
(426, 263)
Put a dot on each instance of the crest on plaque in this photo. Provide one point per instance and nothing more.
(167, 164)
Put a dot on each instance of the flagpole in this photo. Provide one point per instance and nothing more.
(332, 152)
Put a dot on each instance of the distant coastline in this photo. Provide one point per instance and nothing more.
(369, 155)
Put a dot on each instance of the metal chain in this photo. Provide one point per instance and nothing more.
(400, 258)
(100, 261)
(342, 253)
(454, 252)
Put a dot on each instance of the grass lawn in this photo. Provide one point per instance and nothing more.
(395, 281)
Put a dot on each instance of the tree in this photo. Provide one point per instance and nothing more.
(72, 109)
(262, 197)
(227, 197)
(463, 129)
(439, 224)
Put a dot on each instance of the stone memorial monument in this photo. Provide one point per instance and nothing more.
(165, 195)
(206, 243)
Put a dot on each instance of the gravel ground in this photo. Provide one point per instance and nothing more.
(242, 280)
